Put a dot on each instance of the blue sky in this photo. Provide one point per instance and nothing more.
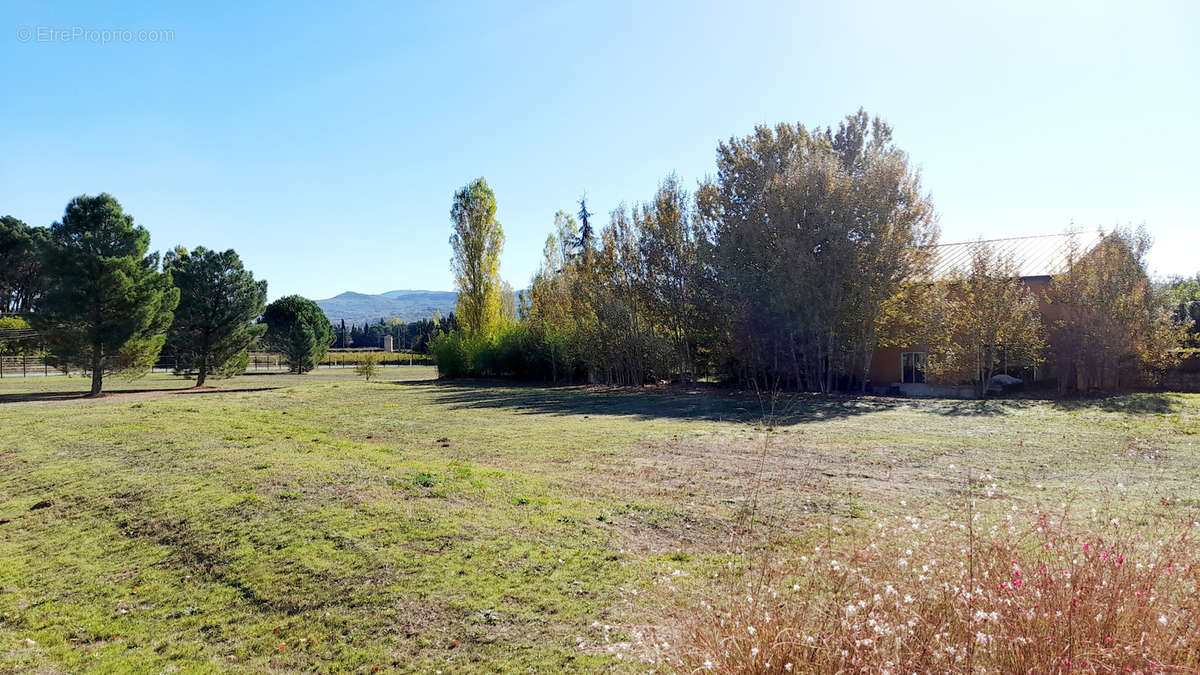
(324, 141)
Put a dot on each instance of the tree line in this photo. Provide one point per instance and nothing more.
(413, 335)
(101, 302)
(807, 251)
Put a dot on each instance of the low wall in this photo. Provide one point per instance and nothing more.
(927, 390)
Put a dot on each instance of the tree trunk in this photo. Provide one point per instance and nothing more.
(203, 362)
(97, 369)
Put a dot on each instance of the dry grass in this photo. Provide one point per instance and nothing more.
(1037, 590)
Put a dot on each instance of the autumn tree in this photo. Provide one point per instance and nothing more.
(477, 242)
(297, 328)
(812, 233)
(107, 306)
(985, 319)
(216, 321)
(553, 310)
(1108, 329)
(669, 252)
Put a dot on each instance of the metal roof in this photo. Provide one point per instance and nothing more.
(1037, 256)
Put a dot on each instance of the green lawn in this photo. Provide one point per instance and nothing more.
(322, 522)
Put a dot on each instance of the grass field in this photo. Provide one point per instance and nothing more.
(320, 522)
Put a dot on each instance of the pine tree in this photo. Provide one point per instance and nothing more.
(587, 236)
(219, 302)
(298, 329)
(22, 273)
(107, 306)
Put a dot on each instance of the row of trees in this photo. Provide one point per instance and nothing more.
(775, 271)
(100, 302)
(804, 254)
(414, 335)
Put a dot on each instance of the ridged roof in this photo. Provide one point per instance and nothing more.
(1037, 256)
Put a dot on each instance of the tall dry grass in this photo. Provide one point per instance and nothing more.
(1029, 591)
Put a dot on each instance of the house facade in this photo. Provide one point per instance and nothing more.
(1037, 258)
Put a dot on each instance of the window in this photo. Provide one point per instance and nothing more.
(912, 367)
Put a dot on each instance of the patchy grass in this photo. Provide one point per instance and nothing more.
(281, 522)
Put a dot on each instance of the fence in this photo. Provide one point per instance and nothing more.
(25, 365)
(31, 365)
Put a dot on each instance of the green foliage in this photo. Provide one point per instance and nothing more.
(477, 242)
(297, 328)
(22, 276)
(219, 303)
(518, 351)
(13, 335)
(1182, 299)
(453, 353)
(107, 306)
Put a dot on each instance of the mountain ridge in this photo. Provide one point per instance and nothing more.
(404, 304)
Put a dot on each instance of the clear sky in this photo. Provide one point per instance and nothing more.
(324, 140)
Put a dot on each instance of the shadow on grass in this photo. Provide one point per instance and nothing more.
(1133, 404)
(692, 403)
(27, 397)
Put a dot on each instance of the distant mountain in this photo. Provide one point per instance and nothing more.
(404, 305)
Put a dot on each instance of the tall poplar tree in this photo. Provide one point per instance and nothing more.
(477, 242)
(107, 306)
(215, 322)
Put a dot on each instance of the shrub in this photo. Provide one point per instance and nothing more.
(452, 354)
(508, 352)
(1047, 595)
(368, 365)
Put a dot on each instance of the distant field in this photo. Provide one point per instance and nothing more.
(283, 522)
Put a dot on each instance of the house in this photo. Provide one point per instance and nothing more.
(1038, 259)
